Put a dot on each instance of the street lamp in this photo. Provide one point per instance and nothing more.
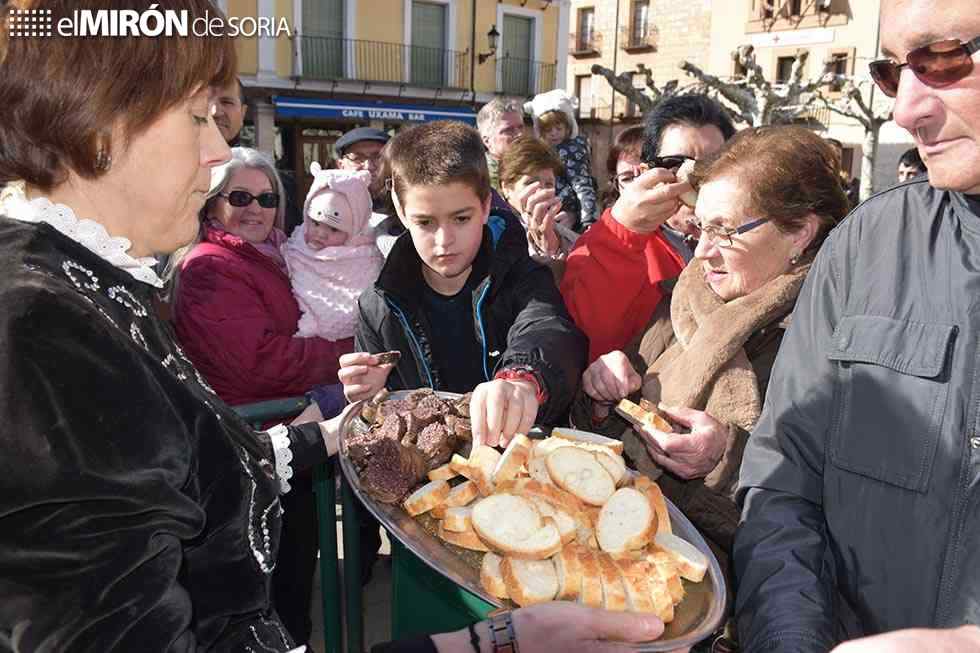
(492, 37)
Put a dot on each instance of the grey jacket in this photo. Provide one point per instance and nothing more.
(861, 481)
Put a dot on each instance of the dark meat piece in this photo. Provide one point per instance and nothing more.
(460, 427)
(415, 396)
(389, 407)
(392, 471)
(392, 428)
(388, 357)
(361, 446)
(462, 405)
(436, 443)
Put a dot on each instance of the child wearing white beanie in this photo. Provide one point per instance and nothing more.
(332, 257)
(553, 115)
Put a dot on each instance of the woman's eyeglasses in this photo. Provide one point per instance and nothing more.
(723, 236)
(938, 64)
(242, 198)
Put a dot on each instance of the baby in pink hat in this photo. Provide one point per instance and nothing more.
(332, 257)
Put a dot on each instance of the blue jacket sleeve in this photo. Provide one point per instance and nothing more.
(786, 593)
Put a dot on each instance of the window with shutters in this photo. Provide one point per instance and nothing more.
(429, 43)
(322, 39)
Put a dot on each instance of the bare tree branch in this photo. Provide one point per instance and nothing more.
(623, 83)
(738, 96)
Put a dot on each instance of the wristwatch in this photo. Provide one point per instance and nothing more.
(503, 639)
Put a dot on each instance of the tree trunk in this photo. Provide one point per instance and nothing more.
(869, 154)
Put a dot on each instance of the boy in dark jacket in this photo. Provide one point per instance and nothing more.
(460, 298)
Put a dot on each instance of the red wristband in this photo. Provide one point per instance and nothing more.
(525, 374)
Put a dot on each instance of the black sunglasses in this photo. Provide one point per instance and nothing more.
(242, 198)
(938, 64)
(670, 162)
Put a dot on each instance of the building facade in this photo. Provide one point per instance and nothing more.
(841, 34)
(636, 36)
(388, 63)
(639, 38)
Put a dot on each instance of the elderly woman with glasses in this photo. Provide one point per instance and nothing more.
(764, 206)
(236, 318)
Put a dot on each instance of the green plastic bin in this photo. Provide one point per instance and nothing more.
(424, 602)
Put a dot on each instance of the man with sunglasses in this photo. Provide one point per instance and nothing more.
(640, 241)
(861, 481)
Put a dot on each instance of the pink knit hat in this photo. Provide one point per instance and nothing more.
(340, 198)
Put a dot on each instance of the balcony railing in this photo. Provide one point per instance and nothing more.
(585, 44)
(525, 77)
(638, 36)
(335, 58)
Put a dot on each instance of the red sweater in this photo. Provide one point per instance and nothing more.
(235, 317)
(611, 282)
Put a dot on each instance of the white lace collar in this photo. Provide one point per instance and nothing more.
(87, 233)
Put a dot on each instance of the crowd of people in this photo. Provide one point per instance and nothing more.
(817, 358)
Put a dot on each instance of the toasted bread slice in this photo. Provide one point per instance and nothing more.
(439, 512)
(514, 527)
(591, 593)
(566, 524)
(626, 521)
(462, 494)
(613, 592)
(668, 571)
(461, 466)
(442, 473)
(568, 567)
(551, 493)
(691, 563)
(587, 437)
(458, 519)
(491, 578)
(426, 497)
(514, 457)
(466, 539)
(545, 543)
(663, 602)
(483, 460)
(657, 500)
(579, 472)
(635, 575)
(529, 581)
(644, 420)
(505, 516)
(537, 469)
(659, 503)
(614, 464)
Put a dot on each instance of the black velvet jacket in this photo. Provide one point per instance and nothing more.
(137, 511)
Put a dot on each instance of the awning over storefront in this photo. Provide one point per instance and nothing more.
(304, 107)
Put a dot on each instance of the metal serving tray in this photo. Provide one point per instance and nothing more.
(695, 618)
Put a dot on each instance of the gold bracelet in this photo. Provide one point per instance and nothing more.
(502, 635)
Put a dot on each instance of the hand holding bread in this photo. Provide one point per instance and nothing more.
(500, 409)
(688, 455)
(647, 203)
